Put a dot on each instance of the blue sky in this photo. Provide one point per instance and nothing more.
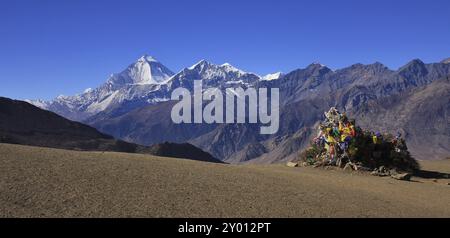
(56, 47)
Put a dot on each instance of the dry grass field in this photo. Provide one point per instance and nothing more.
(43, 182)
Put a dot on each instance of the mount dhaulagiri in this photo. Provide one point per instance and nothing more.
(144, 82)
(141, 83)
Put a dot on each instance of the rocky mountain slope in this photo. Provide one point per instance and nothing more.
(422, 115)
(311, 91)
(304, 93)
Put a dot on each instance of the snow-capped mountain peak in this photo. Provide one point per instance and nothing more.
(204, 65)
(209, 70)
(148, 58)
(213, 75)
(273, 76)
(38, 103)
(138, 81)
(146, 70)
(230, 68)
(62, 97)
(200, 64)
(317, 63)
(446, 61)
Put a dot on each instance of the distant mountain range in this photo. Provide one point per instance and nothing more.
(145, 82)
(134, 106)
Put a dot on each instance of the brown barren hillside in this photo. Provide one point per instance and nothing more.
(44, 182)
(23, 123)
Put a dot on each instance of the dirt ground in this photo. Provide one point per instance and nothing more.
(43, 182)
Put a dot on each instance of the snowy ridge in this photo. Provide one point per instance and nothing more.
(273, 76)
(146, 81)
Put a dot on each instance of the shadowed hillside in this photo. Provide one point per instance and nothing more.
(25, 124)
(184, 150)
